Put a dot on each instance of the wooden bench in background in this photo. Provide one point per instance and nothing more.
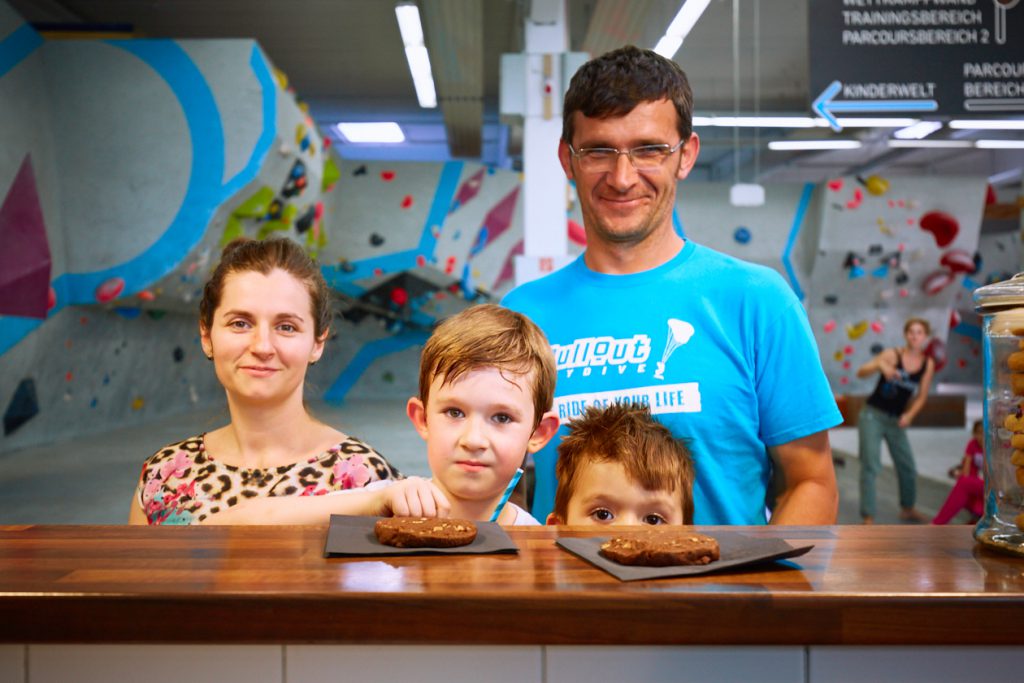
(940, 410)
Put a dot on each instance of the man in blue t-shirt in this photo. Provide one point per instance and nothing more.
(720, 349)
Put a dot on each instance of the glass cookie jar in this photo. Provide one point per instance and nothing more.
(1001, 306)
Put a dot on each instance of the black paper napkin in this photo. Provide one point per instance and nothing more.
(350, 536)
(735, 550)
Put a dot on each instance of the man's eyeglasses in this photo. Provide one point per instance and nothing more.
(643, 158)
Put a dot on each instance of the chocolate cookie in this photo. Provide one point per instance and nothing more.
(424, 532)
(661, 548)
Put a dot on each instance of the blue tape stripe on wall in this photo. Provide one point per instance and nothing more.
(388, 263)
(22, 42)
(206, 190)
(366, 355)
(261, 69)
(798, 221)
(968, 330)
(447, 185)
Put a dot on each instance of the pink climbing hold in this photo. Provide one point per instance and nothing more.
(936, 282)
(399, 296)
(958, 261)
(109, 290)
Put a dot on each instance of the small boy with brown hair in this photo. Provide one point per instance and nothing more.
(486, 389)
(619, 466)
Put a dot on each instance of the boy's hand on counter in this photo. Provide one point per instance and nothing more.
(413, 497)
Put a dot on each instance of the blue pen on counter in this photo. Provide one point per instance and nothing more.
(508, 493)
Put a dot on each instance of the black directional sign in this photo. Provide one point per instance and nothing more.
(911, 57)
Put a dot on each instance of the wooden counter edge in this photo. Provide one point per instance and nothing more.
(764, 619)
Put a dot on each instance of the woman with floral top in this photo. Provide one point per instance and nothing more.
(263, 320)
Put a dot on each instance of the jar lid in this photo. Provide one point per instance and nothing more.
(998, 294)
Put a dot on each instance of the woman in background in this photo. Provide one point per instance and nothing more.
(263, 320)
(904, 378)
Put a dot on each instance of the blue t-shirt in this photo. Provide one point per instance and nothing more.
(719, 348)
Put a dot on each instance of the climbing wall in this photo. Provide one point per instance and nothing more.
(999, 258)
(887, 252)
(125, 165)
(415, 243)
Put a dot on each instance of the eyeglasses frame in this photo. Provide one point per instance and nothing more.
(670, 150)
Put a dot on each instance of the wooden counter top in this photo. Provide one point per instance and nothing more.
(859, 585)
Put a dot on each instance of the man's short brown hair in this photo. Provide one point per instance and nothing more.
(490, 336)
(627, 434)
(617, 81)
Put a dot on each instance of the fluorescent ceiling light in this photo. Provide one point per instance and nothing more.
(999, 144)
(1004, 124)
(416, 53)
(680, 27)
(755, 121)
(933, 144)
(921, 129)
(381, 131)
(796, 122)
(869, 123)
(787, 145)
(668, 46)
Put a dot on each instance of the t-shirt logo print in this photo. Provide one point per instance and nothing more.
(679, 333)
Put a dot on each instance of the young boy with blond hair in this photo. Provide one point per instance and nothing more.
(486, 389)
(619, 466)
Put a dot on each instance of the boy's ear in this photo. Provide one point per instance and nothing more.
(544, 431)
(417, 413)
(553, 519)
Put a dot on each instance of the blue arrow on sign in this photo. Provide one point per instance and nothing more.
(824, 105)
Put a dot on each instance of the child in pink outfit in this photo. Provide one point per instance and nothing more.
(969, 490)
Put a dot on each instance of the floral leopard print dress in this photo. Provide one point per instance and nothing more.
(182, 484)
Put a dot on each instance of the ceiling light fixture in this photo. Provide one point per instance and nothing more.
(375, 132)
(999, 144)
(680, 27)
(921, 129)
(755, 121)
(790, 145)
(989, 124)
(869, 123)
(796, 122)
(931, 144)
(408, 15)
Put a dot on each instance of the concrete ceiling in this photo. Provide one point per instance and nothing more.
(345, 59)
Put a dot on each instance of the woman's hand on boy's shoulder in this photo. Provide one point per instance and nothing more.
(413, 497)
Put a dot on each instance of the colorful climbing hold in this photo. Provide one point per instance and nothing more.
(943, 227)
(109, 290)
